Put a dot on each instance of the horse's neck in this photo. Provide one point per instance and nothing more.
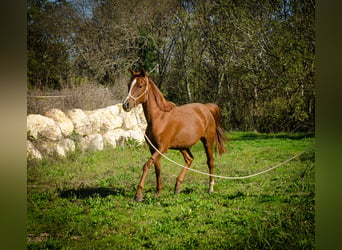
(151, 109)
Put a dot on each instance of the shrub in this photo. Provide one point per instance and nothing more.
(87, 96)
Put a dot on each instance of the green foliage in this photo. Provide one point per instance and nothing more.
(132, 143)
(252, 58)
(86, 200)
(47, 43)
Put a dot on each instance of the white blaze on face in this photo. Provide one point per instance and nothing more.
(130, 90)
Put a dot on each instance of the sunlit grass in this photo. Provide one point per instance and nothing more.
(86, 200)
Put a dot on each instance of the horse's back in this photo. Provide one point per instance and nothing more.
(191, 114)
(195, 108)
(185, 125)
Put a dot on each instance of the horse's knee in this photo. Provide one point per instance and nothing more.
(189, 161)
(148, 164)
(188, 157)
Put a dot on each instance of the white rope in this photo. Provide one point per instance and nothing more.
(226, 177)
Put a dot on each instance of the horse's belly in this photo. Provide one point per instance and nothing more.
(185, 139)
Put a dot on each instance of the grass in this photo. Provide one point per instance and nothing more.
(86, 200)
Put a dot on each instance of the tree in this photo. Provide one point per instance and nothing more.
(255, 59)
(47, 46)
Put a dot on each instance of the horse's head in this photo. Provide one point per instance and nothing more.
(137, 90)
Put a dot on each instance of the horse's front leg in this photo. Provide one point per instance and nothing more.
(154, 159)
(139, 195)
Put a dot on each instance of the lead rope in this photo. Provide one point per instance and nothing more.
(226, 177)
(220, 176)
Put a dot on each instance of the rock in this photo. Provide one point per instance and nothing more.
(48, 148)
(103, 120)
(110, 126)
(115, 109)
(132, 120)
(60, 148)
(141, 119)
(137, 135)
(64, 147)
(43, 127)
(109, 139)
(91, 142)
(81, 122)
(64, 123)
(120, 136)
(32, 152)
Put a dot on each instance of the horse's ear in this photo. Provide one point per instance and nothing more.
(143, 72)
(131, 71)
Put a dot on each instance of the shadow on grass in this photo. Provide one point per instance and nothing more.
(261, 198)
(305, 198)
(236, 195)
(83, 193)
(254, 136)
(308, 156)
(187, 190)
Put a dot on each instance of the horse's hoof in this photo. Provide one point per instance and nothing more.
(177, 190)
(138, 199)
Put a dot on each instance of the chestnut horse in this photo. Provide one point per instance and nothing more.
(173, 127)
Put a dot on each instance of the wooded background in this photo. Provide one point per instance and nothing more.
(255, 59)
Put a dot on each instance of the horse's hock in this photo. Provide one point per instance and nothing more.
(57, 133)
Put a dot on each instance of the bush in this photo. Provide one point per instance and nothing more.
(87, 96)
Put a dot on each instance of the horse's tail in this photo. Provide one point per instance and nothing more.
(220, 136)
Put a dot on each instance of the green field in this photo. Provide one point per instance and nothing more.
(86, 200)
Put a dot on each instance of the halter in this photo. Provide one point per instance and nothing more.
(136, 98)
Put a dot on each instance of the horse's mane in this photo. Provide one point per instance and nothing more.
(162, 103)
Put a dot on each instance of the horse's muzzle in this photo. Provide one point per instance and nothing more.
(126, 106)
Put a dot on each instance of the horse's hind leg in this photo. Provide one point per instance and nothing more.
(158, 179)
(208, 146)
(188, 158)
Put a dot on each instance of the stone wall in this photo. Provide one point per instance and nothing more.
(57, 133)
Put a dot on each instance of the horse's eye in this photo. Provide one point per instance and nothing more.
(139, 86)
